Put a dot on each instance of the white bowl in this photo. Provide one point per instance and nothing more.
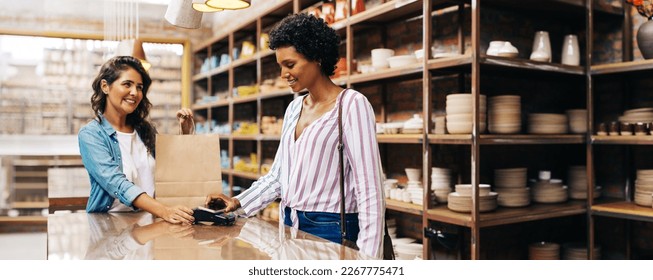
(380, 57)
(401, 60)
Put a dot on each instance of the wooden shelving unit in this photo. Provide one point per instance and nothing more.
(545, 87)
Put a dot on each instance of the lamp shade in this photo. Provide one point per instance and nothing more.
(181, 13)
(133, 47)
(200, 6)
(229, 4)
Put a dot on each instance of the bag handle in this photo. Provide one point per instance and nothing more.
(343, 228)
(192, 120)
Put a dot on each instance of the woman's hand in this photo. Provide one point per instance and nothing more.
(231, 203)
(178, 215)
(185, 118)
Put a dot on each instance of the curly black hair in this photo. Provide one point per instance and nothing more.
(311, 37)
(110, 72)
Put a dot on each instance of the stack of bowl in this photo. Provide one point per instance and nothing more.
(577, 120)
(544, 251)
(547, 124)
(440, 183)
(414, 186)
(643, 115)
(459, 113)
(578, 251)
(440, 125)
(549, 191)
(461, 199)
(504, 114)
(409, 251)
(510, 184)
(644, 187)
(577, 181)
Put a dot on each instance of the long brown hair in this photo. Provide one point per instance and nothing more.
(110, 71)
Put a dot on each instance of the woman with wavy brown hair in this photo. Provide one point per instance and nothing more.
(117, 146)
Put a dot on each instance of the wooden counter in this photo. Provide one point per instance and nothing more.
(139, 236)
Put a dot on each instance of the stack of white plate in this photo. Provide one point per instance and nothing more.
(577, 181)
(504, 114)
(440, 183)
(544, 251)
(440, 125)
(644, 187)
(644, 115)
(578, 251)
(409, 251)
(577, 120)
(461, 200)
(416, 191)
(549, 191)
(547, 124)
(459, 113)
(510, 184)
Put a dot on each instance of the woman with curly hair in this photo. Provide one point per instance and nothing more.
(117, 146)
(305, 173)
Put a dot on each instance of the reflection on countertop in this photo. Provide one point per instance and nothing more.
(138, 236)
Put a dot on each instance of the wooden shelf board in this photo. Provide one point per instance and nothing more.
(450, 139)
(252, 137)
(400, 138)
(245, 99)
(37, 174)
(47, 162)
(227, 171)
(386, 73)
(24, 220)
(219, 103)
(504, 215)
(622, 67)
(276, 93)
(31, 186)
(224, 136)
(389, 11)
(449, 62)
(526, 64)
(265, 53)
(622, 140)
(623, 210)
(246, 175)
(499, 139)
(267, 137)
(29, 205)
(244, 61)
(403, 207)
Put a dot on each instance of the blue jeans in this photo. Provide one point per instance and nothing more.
(325, 225)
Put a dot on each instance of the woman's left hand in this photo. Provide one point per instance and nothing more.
(185, 118)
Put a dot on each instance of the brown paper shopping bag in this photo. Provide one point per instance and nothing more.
(187, 169)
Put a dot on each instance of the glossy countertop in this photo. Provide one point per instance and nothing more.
(138, 236)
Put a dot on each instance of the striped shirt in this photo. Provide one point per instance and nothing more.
(305, 172)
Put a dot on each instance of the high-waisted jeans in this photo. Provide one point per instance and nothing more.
(325, 225)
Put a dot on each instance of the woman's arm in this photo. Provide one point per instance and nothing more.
(362, 151)
(176, 214)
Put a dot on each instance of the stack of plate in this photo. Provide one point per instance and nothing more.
(409, 251)
(510, 184)
(414, 188)
(440, 183)
(440, 125)
(461, 200)
(549, 191)
(415, 125)
(547, 124)
(578, 251)
(577, 120)
(577, 181)
(544, 251)
(459, 113)
(644, 187)
(504, 114)
(644, 115)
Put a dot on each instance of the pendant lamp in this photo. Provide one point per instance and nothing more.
(133, 47)
(200, 6)
(229, 4)
(181, 13)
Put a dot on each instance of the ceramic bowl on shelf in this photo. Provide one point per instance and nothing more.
(380, 58)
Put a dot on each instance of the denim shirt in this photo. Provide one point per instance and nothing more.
(98, 145)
